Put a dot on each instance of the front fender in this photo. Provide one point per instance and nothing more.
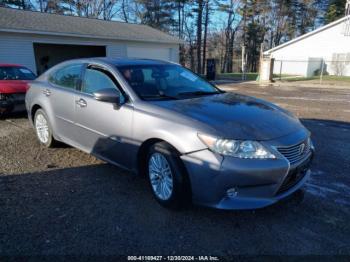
(181, 136)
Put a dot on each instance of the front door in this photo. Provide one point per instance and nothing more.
(102, 128)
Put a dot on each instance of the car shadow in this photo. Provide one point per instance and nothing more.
(103, 209)
(14, 115)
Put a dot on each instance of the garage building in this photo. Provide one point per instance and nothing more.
(326, 49)
(41, 40)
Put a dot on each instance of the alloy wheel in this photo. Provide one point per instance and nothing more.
(160, 176)
(42, 128)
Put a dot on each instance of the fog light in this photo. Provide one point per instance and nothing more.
(232, 192)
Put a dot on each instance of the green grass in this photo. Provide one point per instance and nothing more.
(324, 78)
(249, 76)
(282, 75)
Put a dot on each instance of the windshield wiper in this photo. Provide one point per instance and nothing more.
(198, 93)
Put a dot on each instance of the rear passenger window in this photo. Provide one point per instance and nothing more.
(67, 77)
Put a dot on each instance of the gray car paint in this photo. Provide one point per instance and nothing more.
(116, 135)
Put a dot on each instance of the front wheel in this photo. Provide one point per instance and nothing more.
(43, 129)
(167, 176)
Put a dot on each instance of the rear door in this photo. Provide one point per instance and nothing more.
(64, 84)
(103, 129)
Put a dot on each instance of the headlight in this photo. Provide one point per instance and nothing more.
(309, 141)
(236, 148)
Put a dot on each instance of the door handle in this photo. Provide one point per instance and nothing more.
(81, 102)
(47, 92)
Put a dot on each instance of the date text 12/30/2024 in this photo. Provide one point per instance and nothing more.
(173, 258)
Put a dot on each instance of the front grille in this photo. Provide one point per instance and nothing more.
(297, 152)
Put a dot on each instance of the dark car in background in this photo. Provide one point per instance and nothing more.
(192, 140)
(14, 81)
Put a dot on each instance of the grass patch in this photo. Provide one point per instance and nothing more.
(238, 76)
(324, 78)
(282, 75)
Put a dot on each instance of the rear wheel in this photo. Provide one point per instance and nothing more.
(43, 129)
(167, 176)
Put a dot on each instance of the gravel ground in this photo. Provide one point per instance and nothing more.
(65, 202)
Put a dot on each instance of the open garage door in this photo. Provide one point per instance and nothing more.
(150, 53)
(48, 55)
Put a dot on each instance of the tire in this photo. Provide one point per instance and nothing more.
(42, 123)
(168, 159)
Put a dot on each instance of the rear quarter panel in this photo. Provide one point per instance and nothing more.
(35, 96)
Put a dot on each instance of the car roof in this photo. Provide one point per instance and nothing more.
(124, 61)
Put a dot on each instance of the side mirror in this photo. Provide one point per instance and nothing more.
(108, 95)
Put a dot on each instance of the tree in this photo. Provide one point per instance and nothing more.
(190, 37)
(179, 26)
(20, 4)
(206, 23)
(230, 28)
(156, 13)
(335, 10)
(199, 11)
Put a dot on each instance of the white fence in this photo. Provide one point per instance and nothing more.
(312, 68)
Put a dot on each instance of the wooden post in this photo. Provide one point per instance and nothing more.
(281, 70)
(272, 65)
(322, 68)
(243, 62)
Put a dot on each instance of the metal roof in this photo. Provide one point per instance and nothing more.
(14, 20)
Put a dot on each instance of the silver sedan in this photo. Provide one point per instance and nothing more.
(195, 142)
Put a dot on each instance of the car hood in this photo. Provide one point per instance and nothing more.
(13, 86)
(236, 116)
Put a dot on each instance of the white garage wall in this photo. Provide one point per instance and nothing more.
(148, 52)
(18, 48)
(116, 50)
(317, 47)
(153, 51)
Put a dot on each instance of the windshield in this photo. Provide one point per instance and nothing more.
(165, 82)
(15, 73)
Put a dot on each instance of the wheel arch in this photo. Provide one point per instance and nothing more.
(142, 153)
(33, 110)
(142, 157)
(35, 107)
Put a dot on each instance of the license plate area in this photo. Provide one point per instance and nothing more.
(295, 176)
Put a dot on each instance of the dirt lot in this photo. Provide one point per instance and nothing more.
(62, 201)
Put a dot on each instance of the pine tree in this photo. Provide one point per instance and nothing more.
(157, 13)
(335, 10)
